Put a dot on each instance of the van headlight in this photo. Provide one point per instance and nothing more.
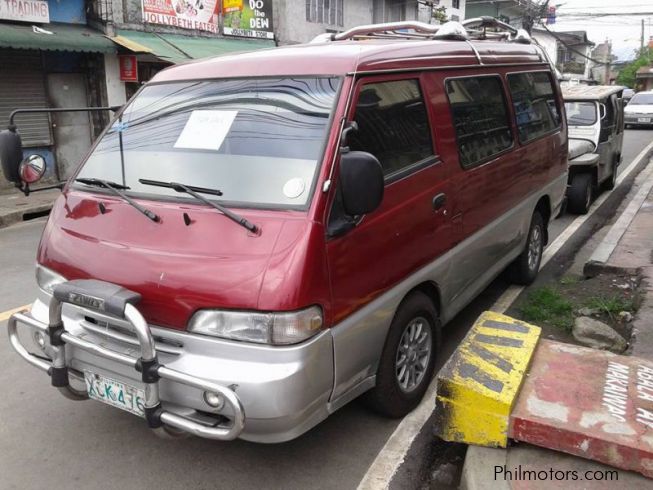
(48, 279)
(263, 328)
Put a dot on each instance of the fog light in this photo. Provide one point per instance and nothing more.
(215, 400)
(39, 338)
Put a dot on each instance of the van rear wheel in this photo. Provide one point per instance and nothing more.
(525, 268)
(408, 358)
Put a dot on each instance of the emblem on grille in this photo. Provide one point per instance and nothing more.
(86, 301)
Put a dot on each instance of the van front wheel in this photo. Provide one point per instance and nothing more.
(408, 358)
(525, 268)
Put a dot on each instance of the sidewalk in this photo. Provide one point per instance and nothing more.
(627, 245)
(15, 207)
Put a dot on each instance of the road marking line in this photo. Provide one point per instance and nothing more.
(6, 314)
(393, 453)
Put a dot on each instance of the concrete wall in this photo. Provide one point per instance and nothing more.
(548, 42)
(291, 26)
(424, 12)
(115, 89)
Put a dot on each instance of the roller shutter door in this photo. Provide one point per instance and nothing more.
(22, 85)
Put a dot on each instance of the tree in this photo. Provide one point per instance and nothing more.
(439, 14)
(627, 76)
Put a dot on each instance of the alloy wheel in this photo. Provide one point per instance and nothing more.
(413, 354)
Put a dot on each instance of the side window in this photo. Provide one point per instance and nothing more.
(535, 104)
(392, 124)
(480, 117)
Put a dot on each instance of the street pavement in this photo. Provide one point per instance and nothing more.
(47, 440)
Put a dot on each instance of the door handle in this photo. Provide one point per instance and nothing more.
(439, 200)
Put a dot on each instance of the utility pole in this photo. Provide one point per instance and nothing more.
(641, 45)
(608, 56)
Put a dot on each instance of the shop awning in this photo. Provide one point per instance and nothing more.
(55, 37)
(176, 49)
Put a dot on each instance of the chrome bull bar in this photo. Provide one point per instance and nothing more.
(112, 299)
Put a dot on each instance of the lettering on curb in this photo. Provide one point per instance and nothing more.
(615, 392)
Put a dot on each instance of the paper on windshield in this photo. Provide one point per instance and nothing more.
(206, 130)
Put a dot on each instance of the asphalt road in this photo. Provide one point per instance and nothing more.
(49, 441)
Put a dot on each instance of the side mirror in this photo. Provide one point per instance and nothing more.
(11, 154)
(361, 182)
(602, 111)
(32, 169)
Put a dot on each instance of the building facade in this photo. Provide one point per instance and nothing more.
(50, 58)
(510, 11)
(570, 52)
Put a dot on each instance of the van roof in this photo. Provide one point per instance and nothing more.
(343, 57)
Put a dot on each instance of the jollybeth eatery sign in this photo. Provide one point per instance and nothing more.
(186, 14)
(25, 10)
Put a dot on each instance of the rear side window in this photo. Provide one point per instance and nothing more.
(535, 105)
(480, 117)
(392, 125)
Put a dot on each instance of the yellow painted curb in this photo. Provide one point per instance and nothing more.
(6, 314)
(477, 387)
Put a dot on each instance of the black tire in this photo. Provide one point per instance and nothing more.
(579, 195)
(610, 183)
(525, 267)
(388, 398)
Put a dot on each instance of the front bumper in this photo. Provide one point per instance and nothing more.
(639, 119)
(283, 390)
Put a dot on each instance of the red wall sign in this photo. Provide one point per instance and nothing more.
(128, 68)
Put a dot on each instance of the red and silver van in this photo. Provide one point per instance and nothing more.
(258, 239)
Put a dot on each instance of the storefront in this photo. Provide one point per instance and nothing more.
(246, 26)
(48, 63)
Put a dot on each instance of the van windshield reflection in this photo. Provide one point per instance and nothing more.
(260, 140)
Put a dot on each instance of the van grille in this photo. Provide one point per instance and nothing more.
(127, 336)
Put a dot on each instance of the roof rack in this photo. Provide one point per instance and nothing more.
(471, 29)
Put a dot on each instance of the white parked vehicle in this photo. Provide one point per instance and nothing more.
(639, 111)
(595, 121)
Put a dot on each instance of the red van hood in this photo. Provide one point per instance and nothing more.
(177, 268)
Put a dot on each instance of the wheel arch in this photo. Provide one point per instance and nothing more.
(430, 289)
(584, 169)
(543, 206)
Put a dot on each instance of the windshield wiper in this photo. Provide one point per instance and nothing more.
(116, 189)
(193, 191)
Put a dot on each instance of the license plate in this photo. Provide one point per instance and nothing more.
(115, 393)
(644, 119)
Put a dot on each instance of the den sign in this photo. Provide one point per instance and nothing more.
(248, 18)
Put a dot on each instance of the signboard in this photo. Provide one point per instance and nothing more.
(25, 11)
(128, 68)
(186, 14)
(248, 18)
(590, 403)
(551, 15)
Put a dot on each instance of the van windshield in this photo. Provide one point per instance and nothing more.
(580, 113)
(257, 140)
